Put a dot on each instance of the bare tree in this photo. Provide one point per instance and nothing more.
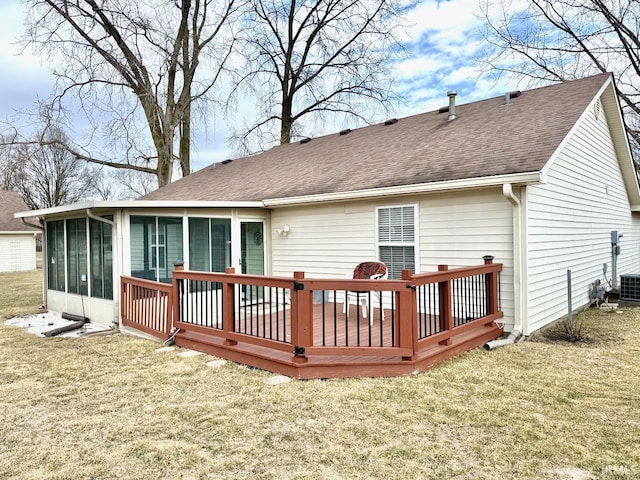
(134, 184)
(558, 40)
(134, 69)
(48, 176)
(8, 168)
(312, 58)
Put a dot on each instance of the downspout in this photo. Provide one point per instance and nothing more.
(518, 271)
(90, 214)
(33, 225)
(45, 264)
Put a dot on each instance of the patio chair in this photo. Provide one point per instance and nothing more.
(364, 270)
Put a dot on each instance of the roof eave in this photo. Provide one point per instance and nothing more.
(526, 178)
(137, 204)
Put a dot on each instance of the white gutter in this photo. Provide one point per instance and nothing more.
(519, 269)
(478, 182)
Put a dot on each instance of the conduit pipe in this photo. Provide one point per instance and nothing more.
(507, 192)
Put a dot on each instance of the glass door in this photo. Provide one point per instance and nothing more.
(252, 258)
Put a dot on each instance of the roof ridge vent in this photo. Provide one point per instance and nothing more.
(391, 121)
(224, 162)
(345, 131)
(305, 140)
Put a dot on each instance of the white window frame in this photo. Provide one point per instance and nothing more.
(416, 231)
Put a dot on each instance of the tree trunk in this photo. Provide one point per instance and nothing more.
(286, 123)
(185, 142)
(165, 163)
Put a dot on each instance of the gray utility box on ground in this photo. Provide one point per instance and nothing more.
(630, 288)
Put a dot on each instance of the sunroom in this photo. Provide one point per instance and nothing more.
(89, 246)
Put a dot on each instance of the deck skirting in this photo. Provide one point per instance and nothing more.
(327, 366)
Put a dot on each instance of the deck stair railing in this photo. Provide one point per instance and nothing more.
(304, 316)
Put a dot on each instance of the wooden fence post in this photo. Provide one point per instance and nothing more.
(228, 305)
(444, 297)
(173, 302)
(302, 319)
(125, 301)
(491, 285)
(406, 308)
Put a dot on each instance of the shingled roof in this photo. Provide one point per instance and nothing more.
(10, 203)
(486, 139)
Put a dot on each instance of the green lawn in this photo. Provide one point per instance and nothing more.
(113, 407)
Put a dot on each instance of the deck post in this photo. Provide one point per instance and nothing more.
(302, 319)
(124, 301)
(173, 302)
(406, 308)
(491, 281)
(444, 296)
(228, 306)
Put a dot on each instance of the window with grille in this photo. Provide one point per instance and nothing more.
(156, 245)
(396, 238)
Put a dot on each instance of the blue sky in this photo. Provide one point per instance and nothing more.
(443, 42)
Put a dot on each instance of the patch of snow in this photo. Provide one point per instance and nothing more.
(216, 363)
(40, 323)
(190, 353)
(277, 380)
(165, 349)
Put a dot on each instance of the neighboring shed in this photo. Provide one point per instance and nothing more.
(17, 240)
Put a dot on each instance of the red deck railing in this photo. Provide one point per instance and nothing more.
(307, 317)
(146, 306)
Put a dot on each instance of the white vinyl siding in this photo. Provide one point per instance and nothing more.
(17, 252)
(456, 229)
(570, 218)
(325, 241)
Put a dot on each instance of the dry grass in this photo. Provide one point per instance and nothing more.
(113, 407)
(20, 292)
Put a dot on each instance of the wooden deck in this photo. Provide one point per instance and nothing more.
(273, 323)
